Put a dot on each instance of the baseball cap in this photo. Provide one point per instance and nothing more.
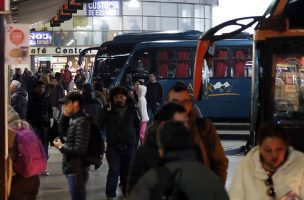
(71, 96)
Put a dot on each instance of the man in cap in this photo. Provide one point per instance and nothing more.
(121, 122)
(76, 144)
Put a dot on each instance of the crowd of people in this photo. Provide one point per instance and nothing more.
(147, 134)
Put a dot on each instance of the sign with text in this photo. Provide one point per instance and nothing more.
(17, 44)
(40, 38)
(59, 51)
(100, 8)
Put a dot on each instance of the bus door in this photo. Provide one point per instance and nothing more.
(279, 86)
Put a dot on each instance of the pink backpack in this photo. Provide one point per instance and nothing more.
(30, 157)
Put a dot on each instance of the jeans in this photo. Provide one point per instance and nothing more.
(77, 185)
(119, 162)
(42, 133)
(152, 109)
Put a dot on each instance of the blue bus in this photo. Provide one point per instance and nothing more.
(229, 71)
(277, 64)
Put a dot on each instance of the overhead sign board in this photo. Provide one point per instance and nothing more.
(40, 38)
(100, 8)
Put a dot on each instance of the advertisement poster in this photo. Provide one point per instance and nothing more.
(17, 44)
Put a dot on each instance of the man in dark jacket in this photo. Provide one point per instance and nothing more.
(154, 95)
(121, 120)
(39, 112)
(55, 92)
(91, 105)
(193, 180)
(18, 98)
(75, 146)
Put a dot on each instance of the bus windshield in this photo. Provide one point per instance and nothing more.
(112, 55)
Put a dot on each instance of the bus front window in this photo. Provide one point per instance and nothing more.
(140, 65)
(108, 68)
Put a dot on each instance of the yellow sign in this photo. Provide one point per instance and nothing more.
(79, 21)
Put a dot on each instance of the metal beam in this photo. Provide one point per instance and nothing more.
(3, 135)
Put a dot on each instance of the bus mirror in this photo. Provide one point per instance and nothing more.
(205, 80)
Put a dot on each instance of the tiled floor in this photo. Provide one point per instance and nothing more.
(54, 187)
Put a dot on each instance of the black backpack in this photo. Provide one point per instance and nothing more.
(96, 146)
(167, 188)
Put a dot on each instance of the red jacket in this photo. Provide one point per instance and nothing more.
(67, 76)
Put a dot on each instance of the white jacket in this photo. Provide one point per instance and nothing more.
(142, 102)
(248, 181)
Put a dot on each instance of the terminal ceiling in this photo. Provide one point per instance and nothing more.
(35, 12)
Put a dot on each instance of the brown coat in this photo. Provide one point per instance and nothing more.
(212, 152)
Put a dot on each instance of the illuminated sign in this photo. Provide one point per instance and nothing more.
(59, 51)
(104, 8)
(40, 38)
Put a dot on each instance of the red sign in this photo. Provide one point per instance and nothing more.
(16, 36)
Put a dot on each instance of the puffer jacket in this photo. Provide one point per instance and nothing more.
(76, 144)
(19, 102)
(120, 131)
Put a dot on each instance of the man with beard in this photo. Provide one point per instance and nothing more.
(121, 122)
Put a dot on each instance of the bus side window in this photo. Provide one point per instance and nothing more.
(162, 64)
(182, 69)
(239, 63)
(220, 63)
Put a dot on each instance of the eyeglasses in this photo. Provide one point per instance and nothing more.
(270, 192)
